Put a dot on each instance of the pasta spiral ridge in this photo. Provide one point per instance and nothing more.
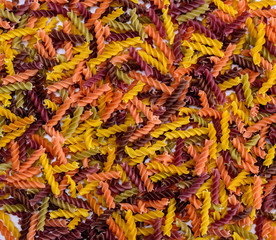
(132, 227)
(81, 27)
(107, 195)
(48, 170)
(42, 214)
(205, 212)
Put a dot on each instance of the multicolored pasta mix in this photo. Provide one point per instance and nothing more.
(127, 119)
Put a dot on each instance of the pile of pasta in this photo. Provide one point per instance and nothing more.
(137, 120)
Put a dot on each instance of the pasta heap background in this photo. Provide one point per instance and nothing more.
(158, 121)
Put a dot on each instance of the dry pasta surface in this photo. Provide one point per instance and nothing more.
(137, 119)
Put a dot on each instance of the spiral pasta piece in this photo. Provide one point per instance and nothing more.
(48, 170)
(169, 218)
(226, 8)
(225, 130)
(257, 192)
(132, 233)
(205, 50)
(259, 43)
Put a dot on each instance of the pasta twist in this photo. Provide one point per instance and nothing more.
(270, 186)
(132, 230)
(270, 81)
(205, 50)
(16, 86)
(194, 13)
(259, 44)
(126, 194)
(93, 204)
(242, 232)
(202, 158)
(237, 180)
(223, 172)
(15, 155)
(185, 229)
(229, 84)
(169, 218)
(141, 106)
(72, 187)
(225, 130)
(61, 204)
(118, 232)
(147, 216)
(9, 66)
(260, 4)
(144, 151)
(32, 228)
(84, 154)
(206, 40)
(103, 176)
(50, 105)
(186, 134)
(80, 26)
(60, 85)
(138, 27)
(155, 53)
(61, 158)
(144, 177)
(73, 223)
(204, 101)
(257, 192)
(107, 195)
(169, 126)
(9, 15)
(168, 169)
(270, 156)
(48, 171)
(121, 26)
(133, 92)
(68, 47)
(110, 159)
(23, 176)
(42, 214)
(99, 36)
(48, 42)
(67, 214)
(205, 220)
(112, 16)
(14, 208)
(225, 8)
(10, 136)
(74, 123)
(55, 223)
(151, 82)
(19, 77)
(17, 33)
(168, 25)
(89, 187)
(152, 61)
